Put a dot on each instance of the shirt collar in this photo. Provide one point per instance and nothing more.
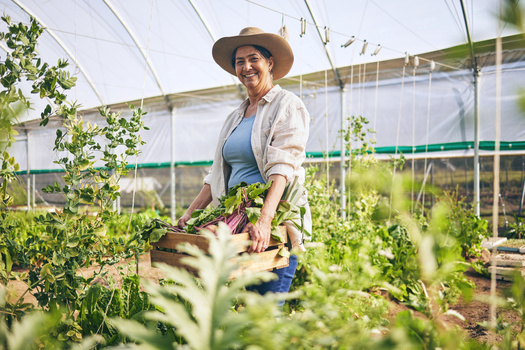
(272, 93)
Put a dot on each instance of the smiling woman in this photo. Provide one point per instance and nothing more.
(263, 140)
(254, 70)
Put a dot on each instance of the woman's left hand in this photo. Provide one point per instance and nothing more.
(259, 235)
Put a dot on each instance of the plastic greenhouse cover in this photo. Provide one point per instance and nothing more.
(107, 43)
(449, 122)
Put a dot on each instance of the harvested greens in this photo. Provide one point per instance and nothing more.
(240, 206)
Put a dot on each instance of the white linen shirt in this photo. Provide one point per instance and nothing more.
(279, 136)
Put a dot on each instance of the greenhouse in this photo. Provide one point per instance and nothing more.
(415, 174)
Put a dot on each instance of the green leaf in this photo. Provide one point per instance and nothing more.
(276, 234)
(253, 214)
(48, 189)
(100, 231)
(284, 252)
(157, 234)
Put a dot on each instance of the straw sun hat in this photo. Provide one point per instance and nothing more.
(280, 49)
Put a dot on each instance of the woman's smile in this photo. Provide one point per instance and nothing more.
(253, 70)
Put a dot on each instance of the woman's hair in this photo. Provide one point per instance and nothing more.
(263, 51)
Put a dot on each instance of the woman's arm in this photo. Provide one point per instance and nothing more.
(260, 232)
(200, 202)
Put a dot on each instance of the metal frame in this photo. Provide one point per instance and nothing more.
(328, 55)
(142, 51)
(476, 75)
(64, 47)
(163, 93)
(205, 24)
(342, 169)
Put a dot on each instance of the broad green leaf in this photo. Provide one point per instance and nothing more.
(157, 234)
(253, 214)
(284, 252)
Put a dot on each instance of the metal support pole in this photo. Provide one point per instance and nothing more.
(34, 190)
(27, 172)
(343, 155)
(477, 76)
(172, 167)
(432, 183)
(522, 198)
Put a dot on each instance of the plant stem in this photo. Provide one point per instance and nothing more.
(27, 290)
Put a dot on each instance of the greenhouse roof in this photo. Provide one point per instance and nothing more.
(125, 50)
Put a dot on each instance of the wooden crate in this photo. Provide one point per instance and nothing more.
(264, 261)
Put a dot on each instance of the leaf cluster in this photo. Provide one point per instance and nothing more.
(197, 312)
(100, 303)
(23, 63)
(242, 204)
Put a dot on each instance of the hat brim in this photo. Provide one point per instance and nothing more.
(279, 48)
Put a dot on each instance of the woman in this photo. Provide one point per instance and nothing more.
(262, 140)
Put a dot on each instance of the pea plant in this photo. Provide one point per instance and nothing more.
(93, 158)
(21, 63)
(73, 237)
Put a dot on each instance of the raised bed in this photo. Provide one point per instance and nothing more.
(275, 256)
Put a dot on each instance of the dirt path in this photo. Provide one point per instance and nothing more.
(17, 288)
(476, 311)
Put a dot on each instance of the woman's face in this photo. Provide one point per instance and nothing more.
(253, 70)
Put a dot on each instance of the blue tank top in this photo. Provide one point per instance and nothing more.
(238, 153)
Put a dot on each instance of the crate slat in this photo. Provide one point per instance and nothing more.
(169, 258)
(263, 261)
(172, 239)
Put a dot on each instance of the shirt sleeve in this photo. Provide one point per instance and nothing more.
(207, 178)
(286, 152)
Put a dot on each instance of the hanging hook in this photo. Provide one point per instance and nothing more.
(303, 27)
(416, 62)
(378, 48)
(326, 35)
(349, 42)
(432, 66)
(363, 50)
(407, 59)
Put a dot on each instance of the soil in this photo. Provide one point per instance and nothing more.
(17, 288)
(474, 312)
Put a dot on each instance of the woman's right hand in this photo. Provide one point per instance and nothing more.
(200, 202)
(183, 220)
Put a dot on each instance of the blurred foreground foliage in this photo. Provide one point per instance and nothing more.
(352, 271)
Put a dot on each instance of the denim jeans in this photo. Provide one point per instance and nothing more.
(281, 285)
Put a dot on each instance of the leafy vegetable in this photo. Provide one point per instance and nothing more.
(242, 205)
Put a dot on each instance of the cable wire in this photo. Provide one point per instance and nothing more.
(397, 138)
(403, 25)
(456, 18)
(413, 135)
